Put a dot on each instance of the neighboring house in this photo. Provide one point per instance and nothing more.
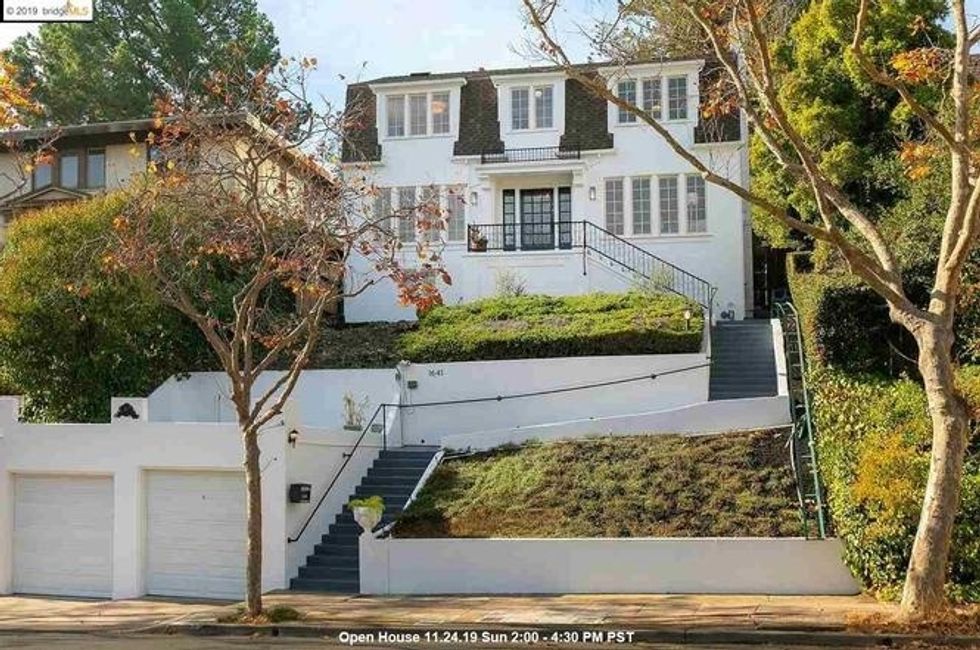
(542, 180)
(90, 159)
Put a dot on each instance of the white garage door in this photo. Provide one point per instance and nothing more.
(63, 535)
(195, 534)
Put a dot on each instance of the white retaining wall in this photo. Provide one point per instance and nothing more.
(456, 381)
(694, 419)
(639, 565)
(319, 394)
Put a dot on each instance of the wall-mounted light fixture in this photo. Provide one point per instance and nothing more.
(474, 198)
(292, 437)
(592, 193)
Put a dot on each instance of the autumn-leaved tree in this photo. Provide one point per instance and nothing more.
(742, 34)
(18, 108)
(248, 234)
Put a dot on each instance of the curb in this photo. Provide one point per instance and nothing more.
(777, 638)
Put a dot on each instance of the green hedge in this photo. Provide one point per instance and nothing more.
(845, 323)
(873, 437)
(73, 335)
(874, 433)
(543, 326)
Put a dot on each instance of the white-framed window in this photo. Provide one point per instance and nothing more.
(641, 205)
(382, 207)
(520, 109)
(615, 218)
(439, 107)
(544, 107)
(669, 221)
(406, 216)
(697, 213)
(537, 102)
(418, 115)
(456, 214)
(652, 97)
(677, 98)
(626, 91)
(395, 110)
(431, 212)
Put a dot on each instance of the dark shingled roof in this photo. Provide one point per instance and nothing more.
(586, 119)
(479, 128)
(361, 138)
(585, 114)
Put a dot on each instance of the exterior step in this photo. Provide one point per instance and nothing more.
(334, 564)
(333, 586)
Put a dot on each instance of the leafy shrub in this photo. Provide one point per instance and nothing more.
(73, 335)
(873, 444)
(845, 323)
(543, 326)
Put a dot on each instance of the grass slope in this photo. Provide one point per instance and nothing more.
(642, 486)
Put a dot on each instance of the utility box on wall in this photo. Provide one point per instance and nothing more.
(299, 492)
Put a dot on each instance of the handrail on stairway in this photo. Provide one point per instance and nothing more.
(801, 413)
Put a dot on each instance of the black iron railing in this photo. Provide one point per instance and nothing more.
(803, 449)
(594, 240)
(530, 154)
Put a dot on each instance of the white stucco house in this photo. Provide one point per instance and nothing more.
(541, 178)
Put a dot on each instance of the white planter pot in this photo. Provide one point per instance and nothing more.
(367, 518)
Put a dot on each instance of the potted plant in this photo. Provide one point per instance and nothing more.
(368, 512)
(478, 241)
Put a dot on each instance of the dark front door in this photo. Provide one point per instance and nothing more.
(537, 219)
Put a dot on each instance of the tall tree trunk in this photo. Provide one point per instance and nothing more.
(923, 594)
(253, 491)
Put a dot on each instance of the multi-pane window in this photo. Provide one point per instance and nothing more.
(651, 97)
(455, 215)
(395, 109)
(543, 107)
(382, 207)
(430, 213)
(641, 206)
(418, 117)
(527, 104)
(626, 91)
(95, 168)
(677, 98)
(669, 222)
(520, 109)
(697, 216)
(406, 214)
(439, 105)
(614, 206)
(68, 169)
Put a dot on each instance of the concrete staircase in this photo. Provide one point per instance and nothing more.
(743, 363)
(334, 565)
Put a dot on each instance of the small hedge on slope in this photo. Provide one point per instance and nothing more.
(544, 326)
(630, 486)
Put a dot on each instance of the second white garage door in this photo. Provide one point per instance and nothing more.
(195, 541)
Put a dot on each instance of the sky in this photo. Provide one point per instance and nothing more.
(362, 39)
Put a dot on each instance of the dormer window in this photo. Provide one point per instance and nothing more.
(532, 107)
(417, 114)
(677, 98)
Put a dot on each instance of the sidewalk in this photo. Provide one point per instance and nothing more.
(786, 620)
